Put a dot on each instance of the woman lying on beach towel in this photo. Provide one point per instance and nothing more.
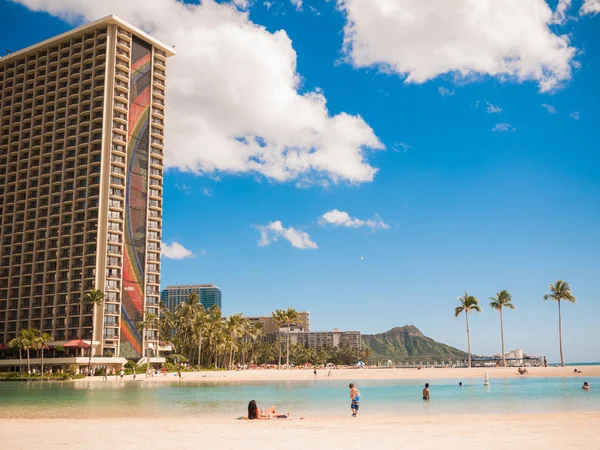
(254, 412)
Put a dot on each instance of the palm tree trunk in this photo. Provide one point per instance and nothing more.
(28, 366)
(468, 339)
(91, 342)
(279, 340)
(287, 358)
(20, 361)
(502, 337)
(562, 361)
(42, 350)
(200, 349)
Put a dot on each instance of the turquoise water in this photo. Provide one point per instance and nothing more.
(301, 398)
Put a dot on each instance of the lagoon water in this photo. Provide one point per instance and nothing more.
(311, 398)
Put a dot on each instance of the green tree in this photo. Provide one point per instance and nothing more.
(200, 324)
(41, 342)
(468, 304)
(278, 319)
(560, 291)
(502, 300)
(290, 316)
(95, 297)
(150, 322)
(20, 342)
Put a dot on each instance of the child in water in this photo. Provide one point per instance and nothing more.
(355, 397)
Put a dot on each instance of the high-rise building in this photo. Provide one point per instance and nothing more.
(81, 172)
(208, 295)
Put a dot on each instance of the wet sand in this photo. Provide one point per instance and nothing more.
(367, 374)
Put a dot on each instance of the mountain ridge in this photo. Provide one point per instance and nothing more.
(408, 343)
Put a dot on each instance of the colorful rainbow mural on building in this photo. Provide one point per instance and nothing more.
(136, 198)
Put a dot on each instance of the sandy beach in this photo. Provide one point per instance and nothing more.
(366, 374)
(436, 432)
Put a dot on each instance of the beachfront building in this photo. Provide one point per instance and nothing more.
(208, 295)
(270, 327)
(82, 120)
(326, 339)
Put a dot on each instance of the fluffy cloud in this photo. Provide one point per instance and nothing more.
(274, 230)
(297, 4)
(574, 115)
(492, 109)
(551, 109)
(422, 39)
(560, 13)
(175, 251)
(342, 219)
(503, 127)
(233, 101)
(446, 92)
(590, 7)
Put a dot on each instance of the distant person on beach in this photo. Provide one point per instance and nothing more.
(586, 386)
(122, 373)
(179, 373)
(134, 373)
(577, 371)
(545, 362)
(523, 371)
(426, 394)
(355, 399)
(104, 375)
(255, 413)
(460, 383)
(315, 371)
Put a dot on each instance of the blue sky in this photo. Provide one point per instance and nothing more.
(465, 208)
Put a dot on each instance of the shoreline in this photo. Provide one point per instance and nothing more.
(357, 374)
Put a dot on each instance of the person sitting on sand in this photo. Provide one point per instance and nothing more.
(586, 386)
(577, 371)
(254, 412)
(523, 371)
(426, 394)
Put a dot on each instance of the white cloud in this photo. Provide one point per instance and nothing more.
(268, 5)
(401, 145)
(492, 109)
(203, 252)
(574, 115)
(343, 219)
(297, 4)
(445, 92)
(590, 7)
(207, 191)
(274, 230)
(560, 13)
(182, 187)
(503, 127)
(551, 109)
(175, 251)
(423, 39)
(233, 101)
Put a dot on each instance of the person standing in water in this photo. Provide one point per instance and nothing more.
(426, 394)
(355, 397)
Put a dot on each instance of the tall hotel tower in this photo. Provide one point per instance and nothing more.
(81, 174)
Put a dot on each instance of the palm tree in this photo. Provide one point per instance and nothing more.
(502, 300)
(150, 322)
(255, 332)
(234, 328)
(291, 317)
(28, 337)
(19, 342)
(468, 303)
(278, 319)
(42, 341)
(560, 291)
(199, 326)
(215, 332)
(95, 297)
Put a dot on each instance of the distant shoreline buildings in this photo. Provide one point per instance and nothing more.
(208, 295)
(299, 333)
